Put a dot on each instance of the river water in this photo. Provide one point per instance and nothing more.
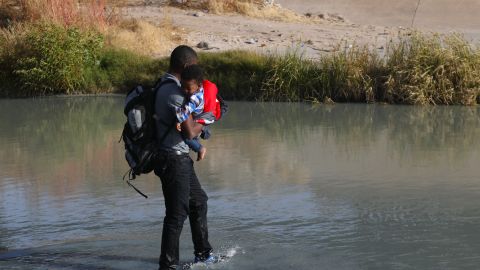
(291, 186)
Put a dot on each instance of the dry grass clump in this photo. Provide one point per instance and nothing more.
(255, 9)
(252, 8)
(85, 13)
(143, 37)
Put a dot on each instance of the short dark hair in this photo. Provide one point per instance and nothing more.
(182, 56)
(193, 72)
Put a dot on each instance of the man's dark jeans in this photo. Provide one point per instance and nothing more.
(184, 197)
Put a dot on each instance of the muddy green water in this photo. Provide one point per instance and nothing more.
(291, 186)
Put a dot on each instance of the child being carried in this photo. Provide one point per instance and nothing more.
(203, 103)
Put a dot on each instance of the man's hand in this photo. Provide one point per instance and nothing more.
(190, 129)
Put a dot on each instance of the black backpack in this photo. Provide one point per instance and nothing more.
(139, 134)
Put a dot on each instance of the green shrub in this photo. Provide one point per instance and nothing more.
(46, 59)
(121, 70)
(55, 60)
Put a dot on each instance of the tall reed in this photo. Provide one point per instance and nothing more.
(416, 69)
(433, 70)
(291, 78)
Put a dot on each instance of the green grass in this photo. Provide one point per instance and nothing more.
(46, 59)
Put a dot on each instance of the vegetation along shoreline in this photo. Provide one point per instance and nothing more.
(42, 56)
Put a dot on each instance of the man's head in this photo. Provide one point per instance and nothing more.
(182, 57)
(192, 79)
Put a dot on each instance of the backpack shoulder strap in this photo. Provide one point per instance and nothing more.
(161, 83)
(158, 85)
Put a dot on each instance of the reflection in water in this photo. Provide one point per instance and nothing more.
(352, 186)
(298, 141)
(55, 135)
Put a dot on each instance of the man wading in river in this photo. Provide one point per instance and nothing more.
(183, 193)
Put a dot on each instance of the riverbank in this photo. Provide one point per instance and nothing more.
(48, 57)
(416, 69)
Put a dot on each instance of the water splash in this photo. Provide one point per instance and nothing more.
(225, 254)
(232, 252)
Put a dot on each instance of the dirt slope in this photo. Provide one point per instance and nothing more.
(461, 15)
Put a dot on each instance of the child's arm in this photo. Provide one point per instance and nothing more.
(194, 144)
(197, 147)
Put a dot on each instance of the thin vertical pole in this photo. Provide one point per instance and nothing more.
(415, 14)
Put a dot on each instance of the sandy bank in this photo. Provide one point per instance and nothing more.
(438, 15)
(370, 22)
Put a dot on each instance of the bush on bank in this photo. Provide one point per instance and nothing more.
(47, 59)
(52, 58)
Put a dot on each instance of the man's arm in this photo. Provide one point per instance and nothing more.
(190, 128)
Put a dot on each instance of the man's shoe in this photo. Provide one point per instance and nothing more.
(211, 259)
